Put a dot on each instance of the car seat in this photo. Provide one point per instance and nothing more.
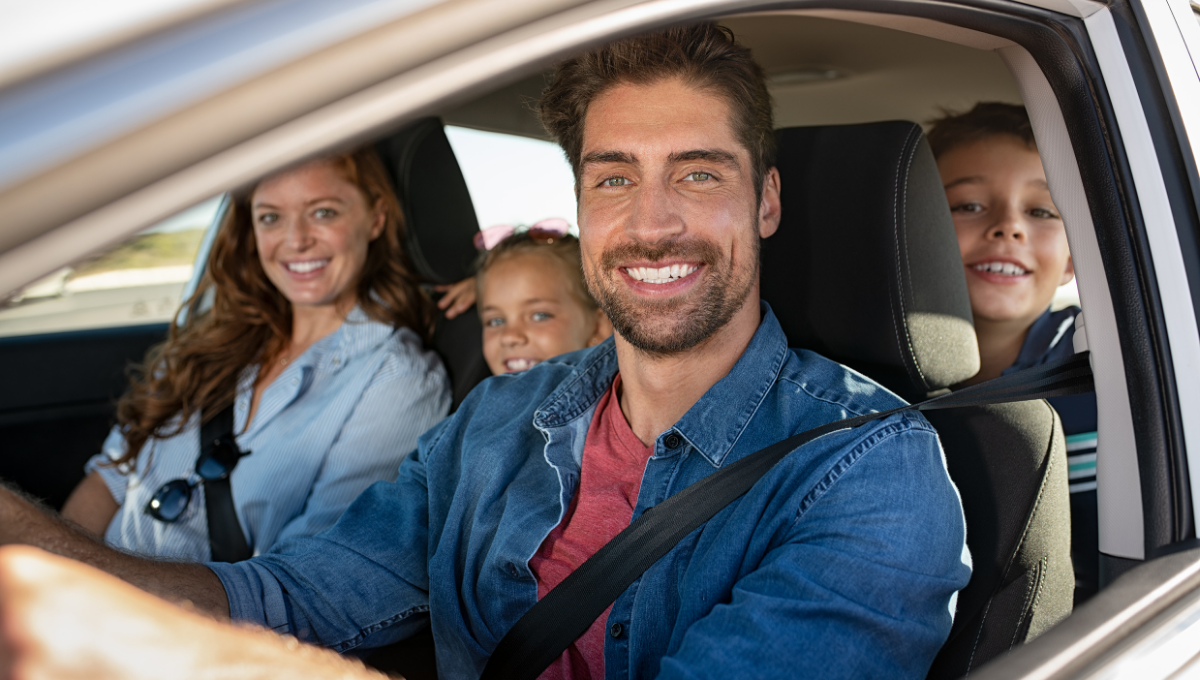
(439, 238)
(865, 269)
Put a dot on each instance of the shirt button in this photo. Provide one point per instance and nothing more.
(615, 630)
(512, 569)
(673, 441)
(295, 381)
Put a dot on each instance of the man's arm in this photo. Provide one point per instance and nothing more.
(61, 619)
(24, 521)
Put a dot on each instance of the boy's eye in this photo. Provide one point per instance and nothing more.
(615, 182)
(542, 316)
(967, 208)
(1044, 214)
(324, 213)
(494, 322)
(698, 176)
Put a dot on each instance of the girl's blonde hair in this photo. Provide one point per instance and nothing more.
(564, 248)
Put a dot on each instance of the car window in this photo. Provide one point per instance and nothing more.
(139, 281)
(513, 179)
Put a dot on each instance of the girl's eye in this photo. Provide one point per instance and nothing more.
(699, 177)
(967, 208)
(542, 316)
(1044, 214)
(267, 219)
(494, 322)
(615, 182)
(324, 213)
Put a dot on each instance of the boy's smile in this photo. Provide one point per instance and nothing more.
(1011, 237)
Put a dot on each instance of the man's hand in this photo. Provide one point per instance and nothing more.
(63, 620)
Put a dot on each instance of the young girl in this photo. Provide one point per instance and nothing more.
(533, 302)
(1015, 255)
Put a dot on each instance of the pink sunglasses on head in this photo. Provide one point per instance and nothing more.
(545, 231)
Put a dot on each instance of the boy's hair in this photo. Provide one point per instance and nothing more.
(564, 248)
(705, 56)
(987, 119)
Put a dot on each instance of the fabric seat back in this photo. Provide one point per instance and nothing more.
(865, 269)
(441, 228)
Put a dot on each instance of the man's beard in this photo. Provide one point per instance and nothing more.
(670, 326)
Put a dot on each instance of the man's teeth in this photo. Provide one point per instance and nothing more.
(519, 364)
(307, 266)
(661, 274)
(1006, 268)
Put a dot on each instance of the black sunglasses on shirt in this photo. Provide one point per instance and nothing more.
(215, 463)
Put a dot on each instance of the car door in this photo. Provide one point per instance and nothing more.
(68, 340)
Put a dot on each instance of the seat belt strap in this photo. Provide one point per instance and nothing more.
(225, 537)
(568, 610)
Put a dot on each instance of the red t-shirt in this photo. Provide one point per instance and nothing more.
(613, 462)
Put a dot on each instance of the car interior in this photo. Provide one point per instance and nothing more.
(862, 205)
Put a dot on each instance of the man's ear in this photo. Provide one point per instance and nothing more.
(603, 329)
(769, 207)
(1068, 272)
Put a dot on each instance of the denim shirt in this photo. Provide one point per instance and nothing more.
(843, 561)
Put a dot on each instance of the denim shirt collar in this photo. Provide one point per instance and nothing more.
(714, 423)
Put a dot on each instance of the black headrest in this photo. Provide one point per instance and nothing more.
(440, 237)
(437, 206)
(865, 267)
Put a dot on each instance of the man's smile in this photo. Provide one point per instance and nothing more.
(662, 274)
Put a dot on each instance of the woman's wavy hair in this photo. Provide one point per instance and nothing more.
(198, 367)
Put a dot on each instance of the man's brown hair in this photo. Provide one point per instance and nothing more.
(705, 56)
(986, 119)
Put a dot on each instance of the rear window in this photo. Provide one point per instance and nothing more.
(512, 179)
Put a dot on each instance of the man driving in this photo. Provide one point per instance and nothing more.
(842, 561)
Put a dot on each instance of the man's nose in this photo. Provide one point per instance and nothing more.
(655, 217)
(1008, 225)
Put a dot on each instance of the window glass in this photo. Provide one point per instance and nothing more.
(513, 180)
(140, 281)
(1065, 296)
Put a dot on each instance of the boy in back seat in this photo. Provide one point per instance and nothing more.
(1015, 254)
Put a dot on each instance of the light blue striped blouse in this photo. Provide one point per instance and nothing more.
(340, 417)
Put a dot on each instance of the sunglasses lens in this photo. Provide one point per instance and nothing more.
(170, 501)
(218, 461)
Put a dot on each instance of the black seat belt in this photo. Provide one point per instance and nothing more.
(566, 612)
(225, 537)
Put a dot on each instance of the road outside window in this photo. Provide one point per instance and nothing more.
(140, 281)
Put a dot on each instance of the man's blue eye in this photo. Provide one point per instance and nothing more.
(615, 182)
(700, 176)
